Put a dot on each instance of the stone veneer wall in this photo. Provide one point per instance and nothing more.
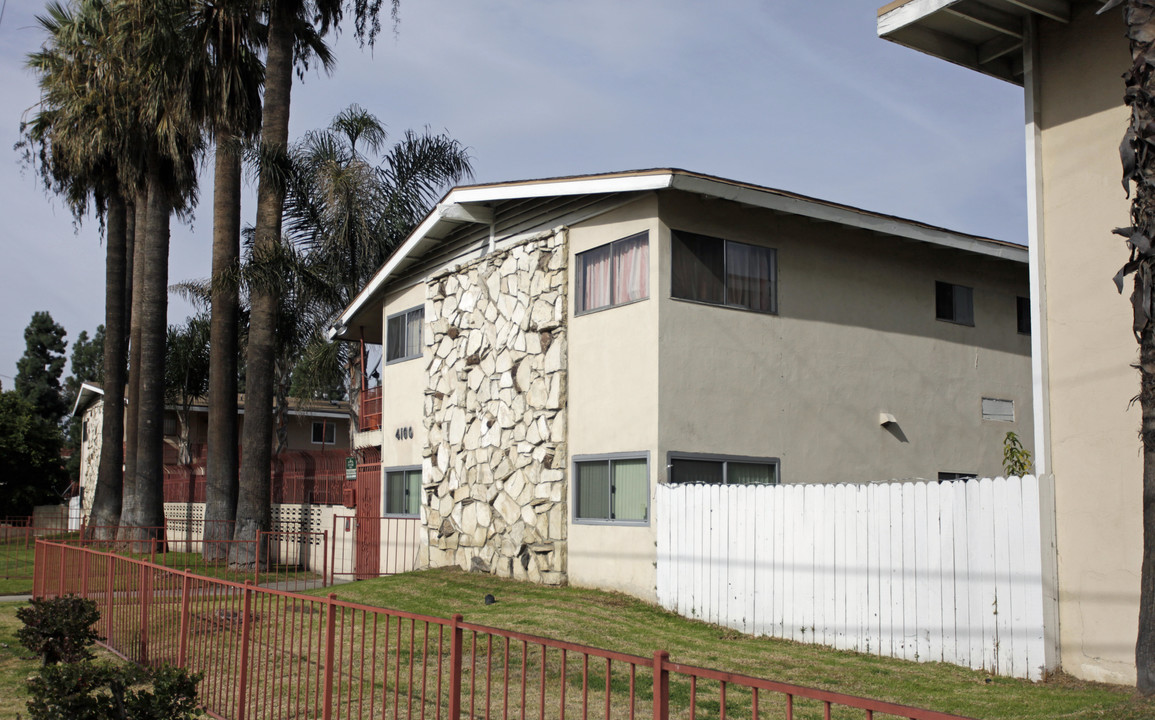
(93, 417)
(494, 498)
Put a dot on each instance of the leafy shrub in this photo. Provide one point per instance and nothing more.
(1016, 458)
(89, 690)
(59, 629)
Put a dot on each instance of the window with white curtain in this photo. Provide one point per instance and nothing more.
(722, 272)
(691, 468)
(614, 274)
(403, 335)
(612, 489)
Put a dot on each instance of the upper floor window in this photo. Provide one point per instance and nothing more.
(614, 274)
(325, 433)
(723, 272)
(403, 492)
(1023, 307)
(954, 303)
(723, 470)
(403, 335)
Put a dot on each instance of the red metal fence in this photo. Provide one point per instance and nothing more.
(371, 409)
(18, 539)
(297, 476)
(396, 541)
(271, 654)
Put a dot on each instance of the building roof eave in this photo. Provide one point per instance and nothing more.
(982, 35)
(466, 204)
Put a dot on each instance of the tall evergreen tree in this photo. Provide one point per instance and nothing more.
(39, 369)
(30, 469)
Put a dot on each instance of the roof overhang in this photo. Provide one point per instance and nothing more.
(464, 203)
(983, 35)
(85, 397)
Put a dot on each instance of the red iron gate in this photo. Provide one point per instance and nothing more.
(368, 520)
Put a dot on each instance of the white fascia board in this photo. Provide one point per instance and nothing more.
(553, 188)
(450, 207)
(909, 13)
(86, 388)
(427, 225)
(842, 215)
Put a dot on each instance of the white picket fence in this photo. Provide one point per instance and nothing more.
(950, 572)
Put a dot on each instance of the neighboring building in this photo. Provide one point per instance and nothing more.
(312, 466)
(555, 349)
(1069, 62)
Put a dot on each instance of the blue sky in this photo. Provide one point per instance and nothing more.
(791, 94)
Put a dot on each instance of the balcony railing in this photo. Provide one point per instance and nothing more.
(371, 409)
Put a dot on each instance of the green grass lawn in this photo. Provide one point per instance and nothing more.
(16, 664)
(617, 622)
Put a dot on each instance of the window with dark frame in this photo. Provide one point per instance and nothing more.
(403, 335)
(949, 476)
(324, 433)
(612, 489)
(723, 470)
(1023, 307)
(614, 274)
(403, 492)
(723, 272)
(954, 303)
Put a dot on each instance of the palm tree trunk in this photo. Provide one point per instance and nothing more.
(106, 498)
(221, 470)
(132, 409)
(149, 510)
(1145, 643)
(253, 500)
(1139, 165)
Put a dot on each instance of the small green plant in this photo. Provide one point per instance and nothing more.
(1016, 459)
(59, 629)
(90, 690)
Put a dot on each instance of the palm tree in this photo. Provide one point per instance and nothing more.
(80, 141)
(156, 36)
(1138, 156)
(285, 19)
(347, 215)
(187, 374)
(229, 39)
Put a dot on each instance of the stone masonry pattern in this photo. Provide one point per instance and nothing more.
(494, 498)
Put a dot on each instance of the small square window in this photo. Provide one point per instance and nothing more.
(324, 433)
(954, 303)
(403, 492)
(612, 489)
(403, 331)
(170, 425)
(614, 274)
(1023, 307)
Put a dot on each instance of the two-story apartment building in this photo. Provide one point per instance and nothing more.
(555, 349)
